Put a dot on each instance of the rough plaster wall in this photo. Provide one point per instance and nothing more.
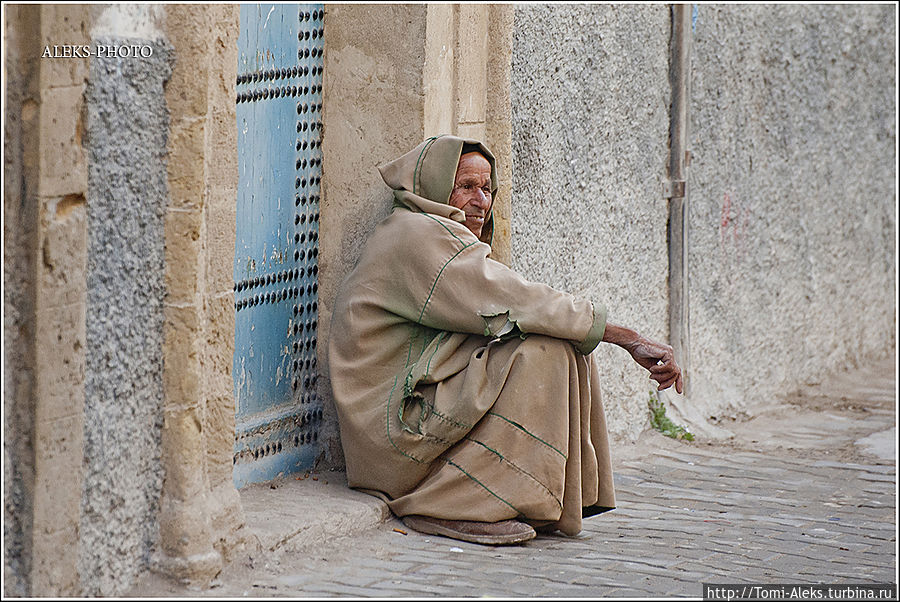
(590, 96)
(373, 112)
(792, 196)
(127, 194)
(19, 220)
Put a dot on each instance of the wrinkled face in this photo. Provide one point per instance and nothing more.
(472, 190)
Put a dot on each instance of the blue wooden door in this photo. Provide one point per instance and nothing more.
(279, 122)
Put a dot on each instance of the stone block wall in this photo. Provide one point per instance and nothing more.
(45, 255)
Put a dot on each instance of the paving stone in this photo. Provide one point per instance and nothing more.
(356, 579)
(873, 468)
(339, 589)
(403, 588)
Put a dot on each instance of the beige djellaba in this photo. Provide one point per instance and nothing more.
(463, 390)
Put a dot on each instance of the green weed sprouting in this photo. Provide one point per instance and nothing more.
(663, 423)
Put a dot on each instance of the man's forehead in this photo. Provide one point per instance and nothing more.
(473, 161)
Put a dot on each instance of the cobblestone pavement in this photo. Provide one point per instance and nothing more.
(803, 501)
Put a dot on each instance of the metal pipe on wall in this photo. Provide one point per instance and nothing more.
(677, 192)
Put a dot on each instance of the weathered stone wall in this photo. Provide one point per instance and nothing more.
(201, 519)
(590, 127)
(792, 196)
(118, 300)
(49, 179)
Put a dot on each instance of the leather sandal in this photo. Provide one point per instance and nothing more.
(547, 529)
(500, 533)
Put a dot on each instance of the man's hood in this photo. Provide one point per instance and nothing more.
(423, 178)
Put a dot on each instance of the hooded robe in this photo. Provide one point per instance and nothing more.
(463, 390)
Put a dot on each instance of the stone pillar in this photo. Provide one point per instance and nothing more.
(56, 186)
(200, 515)
(498, 121)
(468, 50)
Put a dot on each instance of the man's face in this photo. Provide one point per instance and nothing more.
(472, 190)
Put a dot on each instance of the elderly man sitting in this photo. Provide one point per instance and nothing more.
(467, 396)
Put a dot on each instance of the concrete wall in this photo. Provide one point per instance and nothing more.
(590, 121)
(791, 188)
(127, 129)
(792, 196)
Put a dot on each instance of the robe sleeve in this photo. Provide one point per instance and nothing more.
(451, 284)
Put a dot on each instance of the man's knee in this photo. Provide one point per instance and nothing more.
(545, 350)
(550, 344)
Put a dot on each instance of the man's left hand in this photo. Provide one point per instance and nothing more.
(658, 358)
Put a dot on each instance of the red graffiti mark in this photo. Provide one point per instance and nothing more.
(733, 227)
